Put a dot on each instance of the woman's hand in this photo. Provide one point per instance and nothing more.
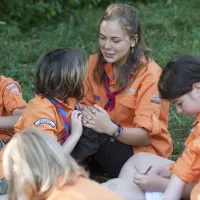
(98, 119)
(76, 122)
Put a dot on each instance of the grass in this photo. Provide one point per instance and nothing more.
(169, 28)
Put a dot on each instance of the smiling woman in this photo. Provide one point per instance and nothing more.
(126, 114)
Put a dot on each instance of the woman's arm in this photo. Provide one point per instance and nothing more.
(100, 121)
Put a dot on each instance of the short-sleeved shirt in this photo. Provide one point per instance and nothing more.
(41, 113)
(10, 99)
(138, 105)
(187, 166)
(83, 189)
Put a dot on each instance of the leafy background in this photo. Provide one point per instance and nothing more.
(29, 28)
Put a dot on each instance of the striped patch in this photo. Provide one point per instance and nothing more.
(131, 90)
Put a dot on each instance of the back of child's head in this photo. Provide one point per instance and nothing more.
(61, 73)
(179, 75)
(33, 161)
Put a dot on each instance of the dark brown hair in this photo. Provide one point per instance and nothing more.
(179, 75)
(129, 21)
(61, 72)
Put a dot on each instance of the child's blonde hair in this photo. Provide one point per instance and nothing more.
(33, 161)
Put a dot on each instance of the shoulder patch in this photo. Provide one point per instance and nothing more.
(131, 90)
(155, 101)
(155, 96)
(15, 90)
(10, 86)
(44, 121)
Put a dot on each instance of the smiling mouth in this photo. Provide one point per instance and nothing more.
(109, 55)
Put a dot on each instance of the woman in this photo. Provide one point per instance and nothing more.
(122, 110)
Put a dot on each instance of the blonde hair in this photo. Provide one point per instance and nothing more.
(33, 161)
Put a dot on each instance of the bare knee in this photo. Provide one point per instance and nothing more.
(126, 189)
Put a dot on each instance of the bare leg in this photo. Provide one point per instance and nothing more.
(126, 189)
(4, 197)
(140, 162)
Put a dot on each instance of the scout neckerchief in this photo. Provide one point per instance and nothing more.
(110, 104)
(64, 116)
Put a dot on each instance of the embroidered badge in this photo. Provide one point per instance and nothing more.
(155, 101)
(44, 121)
(155, 96)
(131, 90)
(10, 86)
(97, 98)
(15, 90)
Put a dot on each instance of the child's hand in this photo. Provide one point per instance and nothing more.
(79, 106)
(76, 123)
(161, 171)
(148, 183)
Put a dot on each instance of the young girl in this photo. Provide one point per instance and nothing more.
(180, 85)
(12, 106)
(123, 109)
(58, 85)
(37, 167)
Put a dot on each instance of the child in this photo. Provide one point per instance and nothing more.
(36, 167)
(180, 85)
(128, 115)
(11, 107)
(58, 85)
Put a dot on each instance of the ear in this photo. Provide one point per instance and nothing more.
(196, 87)
(134, 40)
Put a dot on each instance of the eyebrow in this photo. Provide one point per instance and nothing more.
(114, 37)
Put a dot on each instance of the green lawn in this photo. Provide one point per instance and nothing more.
(170, 27)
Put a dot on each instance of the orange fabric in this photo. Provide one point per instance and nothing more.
(195, 194)
(83, 189)
(187, 166)
(138, 105)
(10, 99)
(41, 113)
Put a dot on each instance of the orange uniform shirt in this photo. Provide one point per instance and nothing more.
(187, 166)
(83, 189)
(10, 99)
(138, 105)
(41, 113)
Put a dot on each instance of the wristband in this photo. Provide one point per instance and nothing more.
(116, 135)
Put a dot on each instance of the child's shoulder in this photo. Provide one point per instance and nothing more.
(39, 103)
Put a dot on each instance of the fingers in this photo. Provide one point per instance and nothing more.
(76, 115)
(99, 108)
(92, 109)
(79, 106)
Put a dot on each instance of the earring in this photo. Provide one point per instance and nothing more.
(132, 49)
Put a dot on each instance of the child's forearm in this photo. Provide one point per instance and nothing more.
(8, 122)
(71, 142)
(174, 189)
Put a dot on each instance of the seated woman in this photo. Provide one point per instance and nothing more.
(37, 167)
(122, 110)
